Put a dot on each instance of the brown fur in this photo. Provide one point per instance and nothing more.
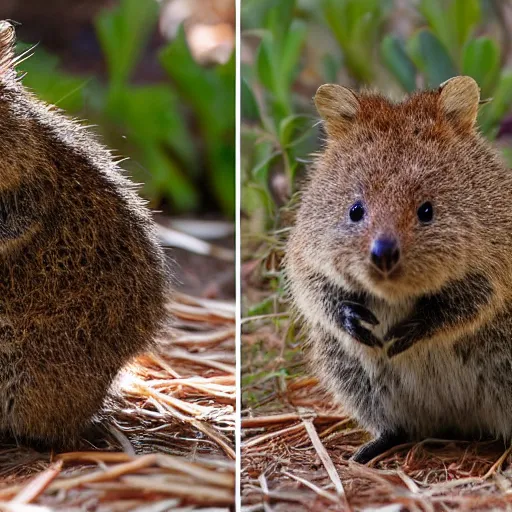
(396, 156)
(82, 277)
(393, 157)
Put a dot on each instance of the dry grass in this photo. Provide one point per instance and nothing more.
(296, 446)
(170, 439)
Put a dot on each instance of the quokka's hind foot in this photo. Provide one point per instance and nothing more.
(377, 446)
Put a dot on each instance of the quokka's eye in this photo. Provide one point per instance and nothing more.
(426, 212)
(356, 212)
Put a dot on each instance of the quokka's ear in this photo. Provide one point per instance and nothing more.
(338, 107)
(459, 98)
(7, 40)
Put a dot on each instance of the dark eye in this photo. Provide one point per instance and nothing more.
(356, 212)
(426, 212)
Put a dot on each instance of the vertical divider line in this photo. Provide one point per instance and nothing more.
(238, 378)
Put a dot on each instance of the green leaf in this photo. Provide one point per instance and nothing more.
(355, 24)
(336, 17)
(465, 15)
(264, 65)
(257, 199)
(492, 114)
(397, 61)
(221, 168)
(210, 92)
(292, 51)
(167, 180)
(481, 60)
(453, 23)
(254, 13)
(277, 67)
(434, 11)
(260, 170)
(278, 21)
(264, 307)
(331, 67)
(249, 106)
(152, 114)
(123, 33)
(292, 127)
(194, 82)
(210, 95)
(430, 57)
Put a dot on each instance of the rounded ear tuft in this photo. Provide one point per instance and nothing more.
(459, 99)
(338, 106)
(7, 41)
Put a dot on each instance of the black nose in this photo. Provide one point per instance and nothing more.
(385, 254)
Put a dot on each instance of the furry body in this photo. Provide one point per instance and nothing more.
(82, 278)
(427, 349)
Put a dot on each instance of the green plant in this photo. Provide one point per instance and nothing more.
(447, 38)
(154, 124)
(211, 95)
(447, 47)
(356, 25)
(278, 134)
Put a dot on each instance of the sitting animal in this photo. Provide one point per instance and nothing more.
(400, 265)
(83, 280)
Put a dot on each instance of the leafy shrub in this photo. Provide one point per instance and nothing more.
(448, 38)
(179, 135)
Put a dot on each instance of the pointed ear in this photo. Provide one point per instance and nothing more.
(338, 107)
(459, 99)
(7, 40)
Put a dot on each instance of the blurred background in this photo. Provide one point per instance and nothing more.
(157, 81)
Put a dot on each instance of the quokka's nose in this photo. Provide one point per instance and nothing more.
(385, 254)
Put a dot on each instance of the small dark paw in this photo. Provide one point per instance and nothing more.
(378, 446)
(360, 312)
(350, 316)
(405, 334)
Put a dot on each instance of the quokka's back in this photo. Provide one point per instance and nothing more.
(83, 279)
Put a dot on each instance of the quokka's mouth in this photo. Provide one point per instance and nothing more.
(389, 286)
(380, 276)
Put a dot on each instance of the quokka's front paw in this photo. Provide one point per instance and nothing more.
(404, 335)
(350, 316)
